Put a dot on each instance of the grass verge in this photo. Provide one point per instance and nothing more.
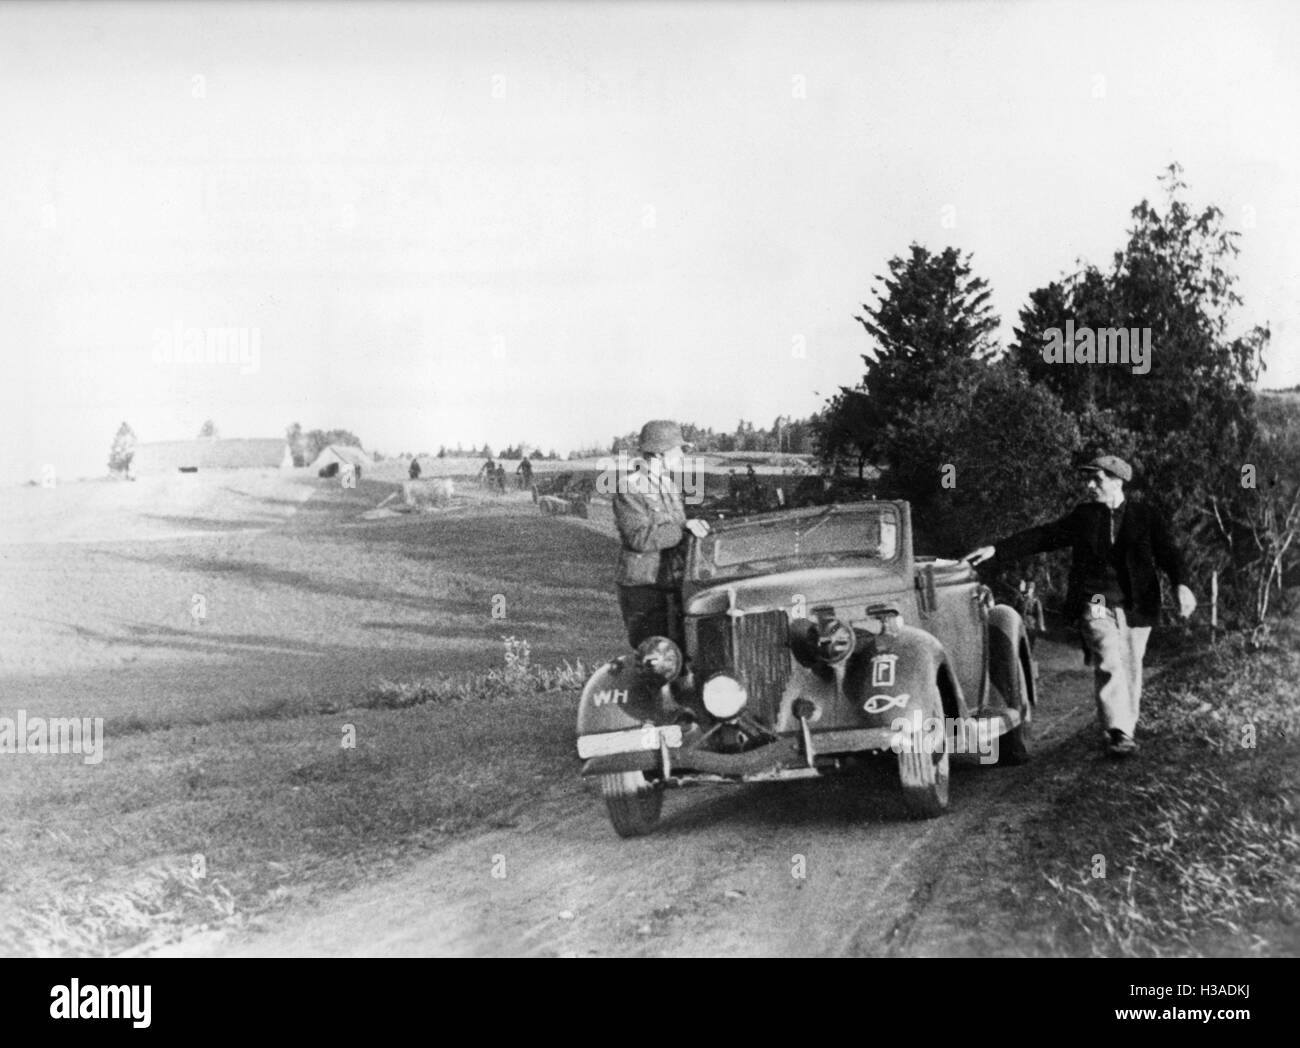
(1192, 848)
(192, 828)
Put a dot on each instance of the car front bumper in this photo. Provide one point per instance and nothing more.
(789, 757)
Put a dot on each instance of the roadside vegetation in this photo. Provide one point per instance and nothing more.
(517, 676)
(1193, 847)
(980, 438)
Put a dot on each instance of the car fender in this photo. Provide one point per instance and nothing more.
(1008, 641)
(618, 696)
(894, 674)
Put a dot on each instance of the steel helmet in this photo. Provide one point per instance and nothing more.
(660, 435)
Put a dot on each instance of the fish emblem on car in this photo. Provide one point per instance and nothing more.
(881, 703)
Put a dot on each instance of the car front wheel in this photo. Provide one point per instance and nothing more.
(633, 802)
(924, 776)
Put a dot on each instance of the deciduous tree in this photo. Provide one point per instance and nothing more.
(123, 449)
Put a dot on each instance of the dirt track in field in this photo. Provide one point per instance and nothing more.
(720, 875)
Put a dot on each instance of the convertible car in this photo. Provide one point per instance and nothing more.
(814, 639)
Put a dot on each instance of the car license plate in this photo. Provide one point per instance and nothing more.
(633, 741)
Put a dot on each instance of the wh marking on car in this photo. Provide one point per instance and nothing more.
(814, 639)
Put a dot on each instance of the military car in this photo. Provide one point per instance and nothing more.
(813, 639)
(564, 494)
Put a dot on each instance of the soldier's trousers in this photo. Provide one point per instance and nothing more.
(651, 612)
(1116, 650)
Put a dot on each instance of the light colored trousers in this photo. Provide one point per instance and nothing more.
(1117, 649)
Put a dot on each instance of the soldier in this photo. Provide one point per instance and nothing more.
(654, 530)
(753, 489)
(525, 472)
(414, 471)
(501, 479)
(1031, 610)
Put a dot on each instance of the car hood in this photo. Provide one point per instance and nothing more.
(836, 586)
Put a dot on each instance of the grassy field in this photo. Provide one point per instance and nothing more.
(203, 826)
(224, 737)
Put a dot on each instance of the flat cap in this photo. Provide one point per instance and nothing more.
(1112, 464)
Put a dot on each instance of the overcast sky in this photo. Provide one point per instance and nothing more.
(550, 222)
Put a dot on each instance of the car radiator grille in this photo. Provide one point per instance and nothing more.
(760, 655)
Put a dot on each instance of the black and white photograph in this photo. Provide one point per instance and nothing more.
(651, 479)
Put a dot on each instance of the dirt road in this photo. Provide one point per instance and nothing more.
(803, 868)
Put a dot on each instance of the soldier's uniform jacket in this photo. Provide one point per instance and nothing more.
(651, 522)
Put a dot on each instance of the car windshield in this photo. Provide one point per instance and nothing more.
(784, 543)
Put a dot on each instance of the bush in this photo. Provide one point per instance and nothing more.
(989, 454)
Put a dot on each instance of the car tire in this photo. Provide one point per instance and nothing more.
(924, 777)
(1013, 747)
(632, 801)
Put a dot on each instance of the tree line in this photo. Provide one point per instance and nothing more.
(982, 439)
(786, 434)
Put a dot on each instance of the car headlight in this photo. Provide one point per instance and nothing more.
(724, 696)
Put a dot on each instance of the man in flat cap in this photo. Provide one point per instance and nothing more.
(1114, 588)
(652, 525)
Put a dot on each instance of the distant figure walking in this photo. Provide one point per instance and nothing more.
(501, 479)
(487, 473)
(753, 489)
(525, 472)
(1031, 610)
(414, 471)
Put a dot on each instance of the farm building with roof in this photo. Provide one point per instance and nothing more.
(170, 456)
(340, 454)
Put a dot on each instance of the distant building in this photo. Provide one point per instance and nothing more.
(340, 455)
(188, 456)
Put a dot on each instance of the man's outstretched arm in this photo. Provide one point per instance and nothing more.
(1040, 539)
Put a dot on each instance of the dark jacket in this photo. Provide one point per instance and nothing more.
(1144, 537)
(651, 524)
